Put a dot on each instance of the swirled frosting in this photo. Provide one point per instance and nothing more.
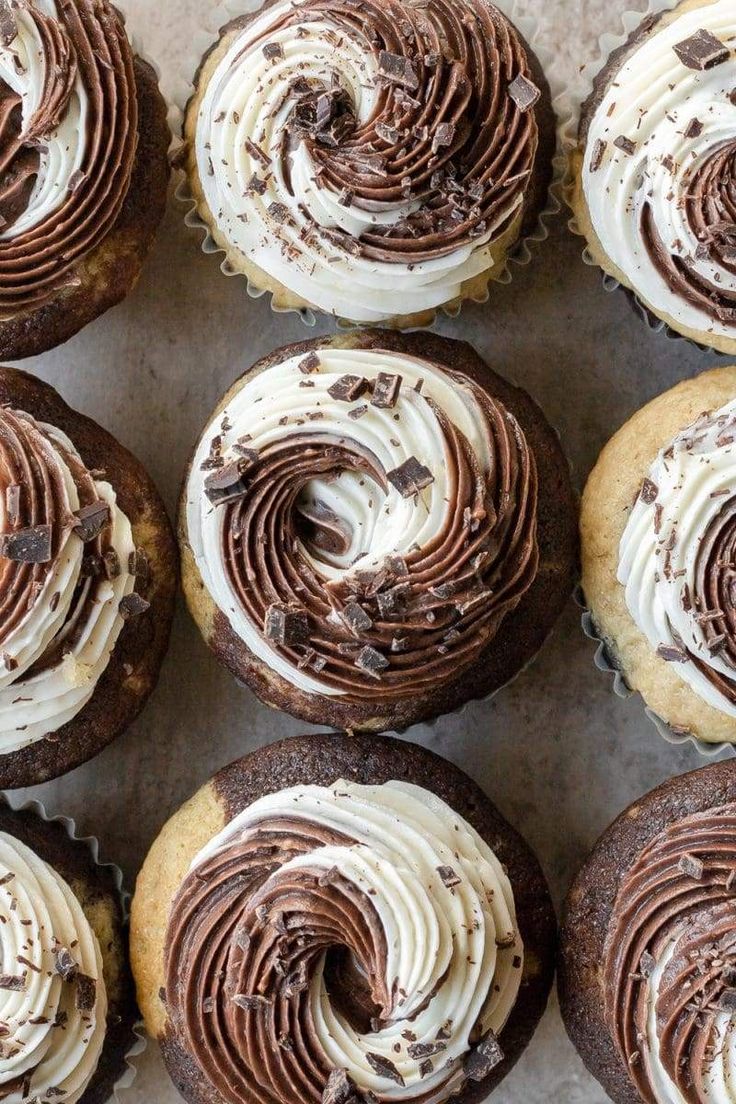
(367, 154)
(366, 929)
(67, 576)
(53, 1003)
(677, 557)
(68, 136)
(669, 971)
(659, 168)
(378, 520)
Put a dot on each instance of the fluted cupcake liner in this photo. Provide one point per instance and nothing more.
(605, 662)
(37, 808)
(521, 253)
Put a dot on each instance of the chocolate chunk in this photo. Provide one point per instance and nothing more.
(12, 502)
(410, 477)
(14, 983)
(726, 1001)
(273, 50)
(64, 964)
(648, 492)
(425, 1050)
(625, 144)
(449, 877)
(694, 129)
(357, 619)
(387, 133)
(286, 626)
(393, 601)
(702, 51)
(357, 412)
(86, 994)
(524, 92)
(483, 1059)
(398, 69)
(279, 212)
(31, 545)
(371, 661)
(256, 185)
(8, 23)
(139, 566)
(256, 152)
(692, 867)
(111, 564)
(443, 136)
(228, 484)
(91, 520)
(251, 1002)
(386, 390)
(672, 654)
(599, 150)
(426, 1067)
(132, 605)
(309, 364)
(339, 1089)
(385, 1068)
(348, 388)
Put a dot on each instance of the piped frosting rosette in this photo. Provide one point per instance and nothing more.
(332, 943)
(374, 159)
(68, 138)
(669, 970)
(364, 520)
(53, 1003)
(68, 568)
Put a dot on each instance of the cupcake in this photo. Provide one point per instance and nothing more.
(84, 170)
(376, 528)
(658, 528)
(652, 169)
(67, 1006)
(88, 572)
(375, 161)
(341, 919)
(648, 945)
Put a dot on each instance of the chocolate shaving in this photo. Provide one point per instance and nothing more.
(483, 1059)
(273, 51)
(91, 520)
(86, 994)
(251, 1002)
(672, 654)
(425, 1050)
(339, 1089)
(385, 1068)
(726, 1001)
(64, 964)
(648, 492)
(702, 51)
(625, 144)
(132, 605)
(397, 69)
(14, 983)
(599, 151)
(31, 545)
(694, 129)
(228, 484)
(12, 502)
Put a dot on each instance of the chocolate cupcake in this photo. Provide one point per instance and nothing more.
(84, 177)
(88, 572)
(658, 527)
(334, 917)
(376, 161)
(652, 169)
(376, 528)
(647, 959)
(66, 995)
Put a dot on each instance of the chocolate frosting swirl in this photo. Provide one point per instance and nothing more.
(669, 970)
(68, 137)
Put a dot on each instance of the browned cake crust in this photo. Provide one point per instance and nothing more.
(373, 760)
(590, 904)
(133, 670)
(522, 632)
(96, 890)
(107, 274)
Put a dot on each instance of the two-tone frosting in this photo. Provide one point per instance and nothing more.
(669, 968)
(367, 154)
(68, 574)
(677, 557)
(659, 165)
(364, 520)
(68, 137)
(331, 943)
(53, 1001)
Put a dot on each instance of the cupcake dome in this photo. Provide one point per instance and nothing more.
(351, 157)
(366, 529)
(375, 941)
(84, 178)
(648, 967)
(654, 165)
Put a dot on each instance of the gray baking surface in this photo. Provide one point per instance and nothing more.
(557, 752)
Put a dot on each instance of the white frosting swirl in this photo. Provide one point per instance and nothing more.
(457, 944)
(49, 1049)
(651, 103)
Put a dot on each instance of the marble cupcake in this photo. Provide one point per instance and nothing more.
(658, 530)
(84, 173)
(372, 160)
(334, 917)
(375, 529)
(648, 946)
(88, 573)
(66, 996)
(652, 170)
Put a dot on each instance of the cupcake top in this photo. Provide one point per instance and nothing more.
(669, 966)
(68, 132)
(68, 573)
(337, 941)
(677, 557)
(368, 154)
(364, 519)
(659, 163)
(53, 1002)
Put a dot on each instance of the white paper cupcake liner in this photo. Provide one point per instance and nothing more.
(521, 253)
(140, 1042)
(604, 662)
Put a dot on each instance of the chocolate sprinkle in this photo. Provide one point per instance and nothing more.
(410, 477)
(702, 51)
(31, 545)
(524, 92)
